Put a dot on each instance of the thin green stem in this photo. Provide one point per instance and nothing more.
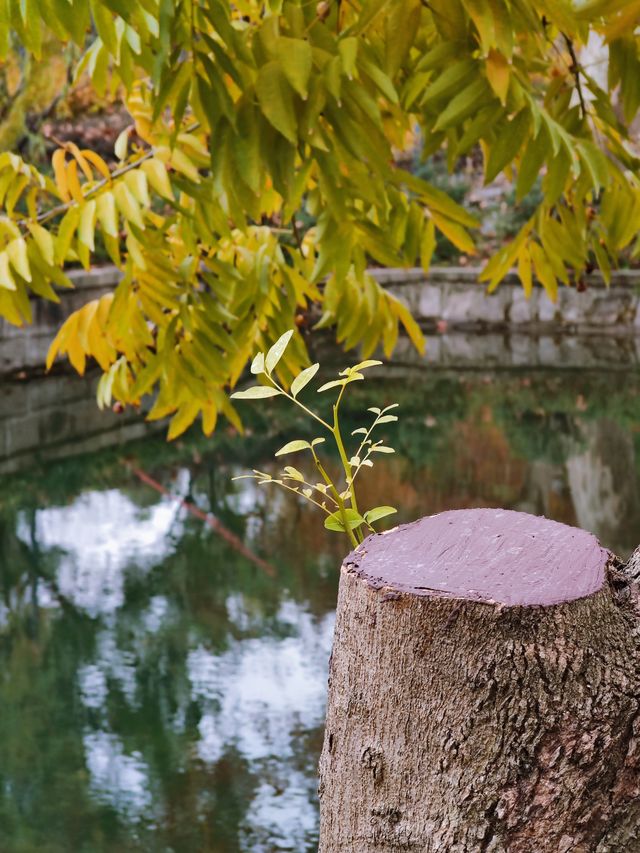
(300, 405)
(292, 489)
(344, 458)
(341, 507)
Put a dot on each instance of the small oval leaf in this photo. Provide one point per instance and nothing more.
(303, 379)
(334, 521)
(257, 365)
(378, 512)
(334, 384)
(369, 362)
(292, 472)
(293, 447)
(257, 392)
(277, 350)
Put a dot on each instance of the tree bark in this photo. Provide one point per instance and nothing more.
(484, 692)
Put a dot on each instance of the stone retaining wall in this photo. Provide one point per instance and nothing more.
(52, 417)
(450, 297)
(26, 348)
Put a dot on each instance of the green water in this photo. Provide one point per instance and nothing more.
(161, 692)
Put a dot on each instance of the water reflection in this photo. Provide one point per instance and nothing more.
(160, 691)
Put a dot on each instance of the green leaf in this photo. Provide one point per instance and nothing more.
(275, 97)
(303, 379)
(348, 49)
(277, 350)
(378, 512)
(381, 448)
(509, 141)
(294, 447)
(296, 59)
(531, 163)
(334, 521)
(466, 102)
(257, 392)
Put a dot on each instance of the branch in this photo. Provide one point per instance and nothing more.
(62, 208)
(575, 70)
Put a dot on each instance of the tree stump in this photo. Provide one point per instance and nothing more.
(484, 692)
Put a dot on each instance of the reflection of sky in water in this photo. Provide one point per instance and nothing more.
(257, 697)
(117, 779)
(99, 535)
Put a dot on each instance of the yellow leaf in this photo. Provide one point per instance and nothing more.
(66, 232)
(498, 74)
(107, 214)
(6, 279)
(97, 161)
(181, 163)
(454, 232)
(209, 417)
(156, 172)
(85, 319)
(183, 419)
(137, 183)
(87, 224)
(400, 310)
(72, 181)
(427, 245)
(58, 344)
(17, 254)
(122, 144)
(128, 205)
(58, 161)
(82, 161)
(44, 241)
(544, 271)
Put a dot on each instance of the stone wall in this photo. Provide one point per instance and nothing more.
(453, 296)
(26, 348)
(449, 298)
(51, 417)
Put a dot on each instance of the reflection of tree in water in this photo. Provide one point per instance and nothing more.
(604, 494)
(104, 711)
(177, 703)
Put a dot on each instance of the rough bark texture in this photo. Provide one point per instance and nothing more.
(455, 724)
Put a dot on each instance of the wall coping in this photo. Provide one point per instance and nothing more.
(109, 275)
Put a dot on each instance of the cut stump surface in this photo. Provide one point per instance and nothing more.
(496, 556)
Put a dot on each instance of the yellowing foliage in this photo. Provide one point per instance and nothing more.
(250, 112)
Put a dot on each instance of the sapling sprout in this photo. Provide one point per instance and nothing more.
(338, 500)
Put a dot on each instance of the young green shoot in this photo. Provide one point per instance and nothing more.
(338, 500)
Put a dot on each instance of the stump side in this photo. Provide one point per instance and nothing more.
(491, 555)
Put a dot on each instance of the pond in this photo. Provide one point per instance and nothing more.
(160, 689)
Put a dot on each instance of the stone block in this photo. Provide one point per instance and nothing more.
(523, 310)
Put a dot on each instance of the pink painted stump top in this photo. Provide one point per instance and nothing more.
(493, 555)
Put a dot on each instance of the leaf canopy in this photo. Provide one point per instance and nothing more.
(246, 116)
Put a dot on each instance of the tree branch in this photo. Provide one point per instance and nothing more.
(575, 70)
